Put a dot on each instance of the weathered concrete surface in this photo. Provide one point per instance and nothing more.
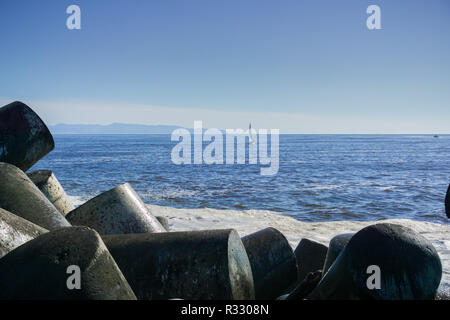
(117, 211)
(38, 269)
(164, 222)
(410, 267)
(310, 257)
(337, 244)
(273, 263)
(24, 137)
(15, 231)
(20, 196)
(208, 264)
(46, 181)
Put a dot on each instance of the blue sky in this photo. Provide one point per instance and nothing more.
(300, 66)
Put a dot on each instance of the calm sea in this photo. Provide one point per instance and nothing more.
(320, 178)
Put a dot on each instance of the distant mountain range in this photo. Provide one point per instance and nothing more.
(114, 128)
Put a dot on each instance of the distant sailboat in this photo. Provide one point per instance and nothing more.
(250, 139)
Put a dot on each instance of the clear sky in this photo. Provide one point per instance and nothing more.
(300, 66)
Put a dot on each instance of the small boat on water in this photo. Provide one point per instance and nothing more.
(436, 136)
(250, 138)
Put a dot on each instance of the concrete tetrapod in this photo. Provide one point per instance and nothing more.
(383, 262)
(164, 222)
(43, 268)
(15, 231)
(305, 287)
(310, 257)
(46, 181)
(24, 137)
(337, 244)
(117, 211)
(209, 264)
(273, 263)
(20, 196)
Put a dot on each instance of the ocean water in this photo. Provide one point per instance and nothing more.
(320, 177)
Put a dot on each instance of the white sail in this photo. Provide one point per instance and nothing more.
(250, 138)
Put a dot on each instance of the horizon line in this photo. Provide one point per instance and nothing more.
(204, 129)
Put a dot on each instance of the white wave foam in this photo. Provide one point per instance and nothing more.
(389, 188)
(77, 200)
(324, 187)
(168, 194)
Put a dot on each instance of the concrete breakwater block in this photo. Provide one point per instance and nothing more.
(24, 137)
(305, 287)
(46, 181)
(273, 263)
(209, 264)
(337, 244)
(15, 231)
(68, 263)
(117, 211)
(310, 257)
(20, 196)
(383, 262)
(164, 222)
